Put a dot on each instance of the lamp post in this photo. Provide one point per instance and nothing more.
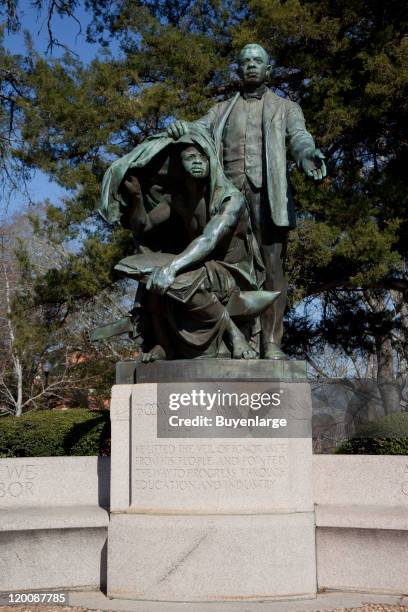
(46, 370)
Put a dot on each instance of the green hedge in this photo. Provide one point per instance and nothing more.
(52, 433)
(387, 436)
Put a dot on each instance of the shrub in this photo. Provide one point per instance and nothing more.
(387, 436)
(51, 433)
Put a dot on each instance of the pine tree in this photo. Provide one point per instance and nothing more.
(344, 62)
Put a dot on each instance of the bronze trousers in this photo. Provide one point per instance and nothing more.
(272, 241)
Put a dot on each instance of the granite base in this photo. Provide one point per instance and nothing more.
(215, 519)
(211, 558)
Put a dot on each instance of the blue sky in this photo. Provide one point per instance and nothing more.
(67, 31)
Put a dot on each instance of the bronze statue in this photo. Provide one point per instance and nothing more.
(199, 266)
(251, 132)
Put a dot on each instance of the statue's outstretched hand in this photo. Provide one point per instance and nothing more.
(313, 164)
(177, 129)
(161, 279)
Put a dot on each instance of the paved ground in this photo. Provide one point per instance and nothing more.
(325, 602)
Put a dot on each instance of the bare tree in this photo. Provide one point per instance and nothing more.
(33, 333)
(11, 354)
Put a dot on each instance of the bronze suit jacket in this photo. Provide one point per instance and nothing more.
(283, 125)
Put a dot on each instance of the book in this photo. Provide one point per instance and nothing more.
(141, 266)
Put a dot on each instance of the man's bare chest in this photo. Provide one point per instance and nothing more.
(193, 215)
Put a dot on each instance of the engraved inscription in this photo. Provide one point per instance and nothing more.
(214, 466)
(17, 480)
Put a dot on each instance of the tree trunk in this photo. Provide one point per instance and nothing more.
(19, 377)
(387, 383)
(18, 370)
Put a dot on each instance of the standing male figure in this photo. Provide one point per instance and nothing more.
(251, 132)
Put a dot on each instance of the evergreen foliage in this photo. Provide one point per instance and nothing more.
(387, 436)
(52, 433)
(344, 62)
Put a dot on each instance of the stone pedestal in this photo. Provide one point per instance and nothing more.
(209, 518)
